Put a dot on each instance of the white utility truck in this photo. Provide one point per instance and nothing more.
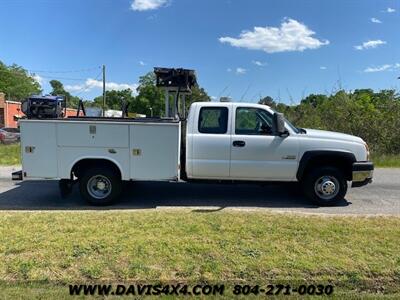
(217, 142)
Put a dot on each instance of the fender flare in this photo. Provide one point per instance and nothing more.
(308, 156)
(78, 160)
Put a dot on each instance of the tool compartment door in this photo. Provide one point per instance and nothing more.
(154, 150)
(39, 149)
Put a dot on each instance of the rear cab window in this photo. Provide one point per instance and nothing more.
(213, 120)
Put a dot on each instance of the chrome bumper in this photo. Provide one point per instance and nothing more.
(362, 173)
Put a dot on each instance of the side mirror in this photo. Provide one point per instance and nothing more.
(279, 124)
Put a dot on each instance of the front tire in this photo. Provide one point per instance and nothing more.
(325, 186)
(100, 186)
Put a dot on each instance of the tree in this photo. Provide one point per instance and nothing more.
(268, 100)
(199, 94)
(314, 100)
(16, 83)
(58, 89)
(374, 116)
(151, 99)
(114, 99)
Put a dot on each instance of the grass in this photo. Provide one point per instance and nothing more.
(10, 154)
(42, 252)
(386, 160)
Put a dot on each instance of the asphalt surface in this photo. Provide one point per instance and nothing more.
(382, 197)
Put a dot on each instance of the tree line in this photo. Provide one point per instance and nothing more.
(148, 99)
(374, 116)
(16, 83)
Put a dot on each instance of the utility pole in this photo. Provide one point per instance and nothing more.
(104, 90)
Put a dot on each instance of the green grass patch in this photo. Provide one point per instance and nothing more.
(10, 154)
(386, 160)
(44, 251)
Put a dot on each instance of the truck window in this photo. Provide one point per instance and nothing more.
(213, 120)
(253, 121)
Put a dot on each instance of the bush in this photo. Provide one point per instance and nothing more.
(375, 117)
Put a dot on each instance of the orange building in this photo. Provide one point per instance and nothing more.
(10, 112)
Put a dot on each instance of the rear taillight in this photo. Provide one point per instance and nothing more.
(2, 136)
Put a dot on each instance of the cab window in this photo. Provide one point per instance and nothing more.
(253, 121)
(213, 120)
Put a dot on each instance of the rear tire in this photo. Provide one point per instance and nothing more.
(325, 186)
(100, 186)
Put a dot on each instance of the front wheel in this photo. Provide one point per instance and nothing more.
(100, 186)
(325, 186)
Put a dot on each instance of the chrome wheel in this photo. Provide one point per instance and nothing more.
(326, 187)
(99, 187)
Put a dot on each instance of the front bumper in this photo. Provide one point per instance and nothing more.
(362, 173)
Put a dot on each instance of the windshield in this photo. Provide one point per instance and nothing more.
(294, 128)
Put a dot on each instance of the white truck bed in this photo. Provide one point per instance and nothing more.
(142, 150)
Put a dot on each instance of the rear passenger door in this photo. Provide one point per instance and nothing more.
(211, 143)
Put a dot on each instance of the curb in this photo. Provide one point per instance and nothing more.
(5, 171)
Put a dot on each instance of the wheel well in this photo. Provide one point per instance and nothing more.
(341, 160)
(80, 166)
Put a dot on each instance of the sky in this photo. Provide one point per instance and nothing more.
(244, 49)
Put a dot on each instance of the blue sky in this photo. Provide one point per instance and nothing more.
(242, 49)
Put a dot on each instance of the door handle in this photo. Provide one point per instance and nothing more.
(239, 143)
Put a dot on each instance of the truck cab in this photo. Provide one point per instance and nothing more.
(243, 142)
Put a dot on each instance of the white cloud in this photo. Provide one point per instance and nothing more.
(386, 67)
(370, 44)
(375, 20)
(142, 63)
(390, 10)
(91, 84)
(241, 71)
(142, 5)
(259, 63)
(37, 78)
(290, 36)
(323, 67)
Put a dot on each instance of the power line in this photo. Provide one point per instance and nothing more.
(61, 78)
(32, 74)
(65, 71)
(84, 85)
(245, 93)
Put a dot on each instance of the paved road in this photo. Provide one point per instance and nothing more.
(380, 197)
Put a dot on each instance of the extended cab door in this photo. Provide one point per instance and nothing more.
(258, 154)
(210, 142)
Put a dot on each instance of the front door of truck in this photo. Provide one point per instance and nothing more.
(258, 154)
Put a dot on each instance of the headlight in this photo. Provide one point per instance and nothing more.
(366, 149)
